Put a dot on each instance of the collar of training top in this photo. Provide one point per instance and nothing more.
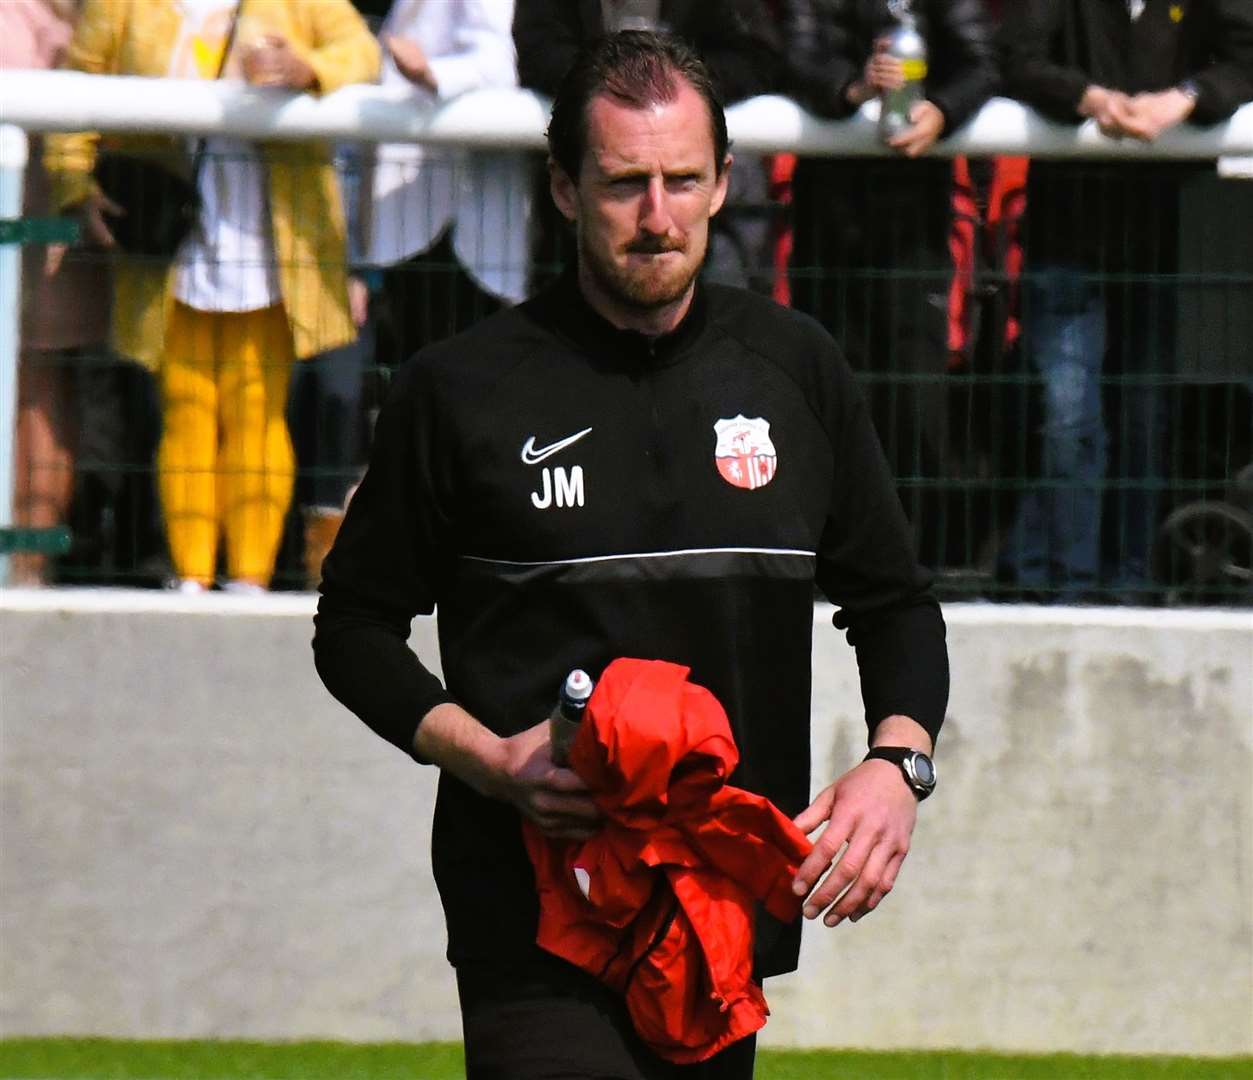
(572, 316)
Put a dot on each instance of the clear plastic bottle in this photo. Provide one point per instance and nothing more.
(907, 46)
(564, 720)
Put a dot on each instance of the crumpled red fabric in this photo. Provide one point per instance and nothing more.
(659, 903)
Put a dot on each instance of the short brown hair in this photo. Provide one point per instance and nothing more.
(638, 68)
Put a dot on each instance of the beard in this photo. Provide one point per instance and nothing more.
(646, 285)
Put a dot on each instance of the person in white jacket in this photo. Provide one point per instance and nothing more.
(449, 226)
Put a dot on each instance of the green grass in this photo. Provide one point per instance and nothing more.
(108, 1059)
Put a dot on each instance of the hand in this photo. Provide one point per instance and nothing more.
(271, 61)
(871, 810)
(883, 71)
(1111, 109)
(411, 61)
(1151, 114)
(92, 212)
(554, 799)
(927, 121)
(358, 301)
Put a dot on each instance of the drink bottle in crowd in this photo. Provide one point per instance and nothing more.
(564, 720)
(907, 46)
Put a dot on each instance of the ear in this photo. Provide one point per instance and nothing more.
(564, 192)
(720, 186)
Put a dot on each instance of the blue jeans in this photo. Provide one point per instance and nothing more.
(1055, 540)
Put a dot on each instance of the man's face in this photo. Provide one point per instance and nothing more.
(643, 199)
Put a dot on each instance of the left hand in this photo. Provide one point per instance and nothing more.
(411, 61)
(358, 301)
(1151, 114)
(927, 121)
(271, 61)
(872, 810)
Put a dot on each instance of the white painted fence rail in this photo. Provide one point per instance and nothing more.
(71, 101)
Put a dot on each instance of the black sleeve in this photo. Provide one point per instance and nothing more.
(824, 56)
(1226, 82)
(546, 36)
(965, 62)
(381, 573)
(739, 43)
(867, 566)
(1029, 35)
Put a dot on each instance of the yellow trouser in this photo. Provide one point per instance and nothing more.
(225, 462)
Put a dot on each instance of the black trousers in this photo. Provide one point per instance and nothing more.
(548, 1020)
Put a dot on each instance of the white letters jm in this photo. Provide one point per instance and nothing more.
(565, 487)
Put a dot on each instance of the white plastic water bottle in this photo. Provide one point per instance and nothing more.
(906, 45)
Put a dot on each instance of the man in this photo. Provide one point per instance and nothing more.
(877, 231)
(1101, 249)
(739, 43)
(631, 464)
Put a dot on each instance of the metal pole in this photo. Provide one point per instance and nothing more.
(14, 150)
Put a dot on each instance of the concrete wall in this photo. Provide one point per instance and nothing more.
(197, 841)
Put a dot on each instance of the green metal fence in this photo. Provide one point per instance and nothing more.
(1127, 476)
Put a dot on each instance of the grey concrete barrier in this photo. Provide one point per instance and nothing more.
(196, 841)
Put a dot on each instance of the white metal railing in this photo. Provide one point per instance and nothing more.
(71, 101)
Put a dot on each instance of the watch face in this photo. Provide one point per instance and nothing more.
(924, 770)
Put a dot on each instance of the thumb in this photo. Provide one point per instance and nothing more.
(817, 812)
(110, 207)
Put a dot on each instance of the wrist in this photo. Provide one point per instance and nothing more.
(1092, 100)
(1188, 92)
(452, 739)
(900, 730)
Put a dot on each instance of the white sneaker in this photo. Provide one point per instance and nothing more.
(190, 587)
(245, 588)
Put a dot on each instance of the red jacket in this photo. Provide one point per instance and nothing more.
(659, 904)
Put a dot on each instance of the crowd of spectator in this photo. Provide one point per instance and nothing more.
(306, 269)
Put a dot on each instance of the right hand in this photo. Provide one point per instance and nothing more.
(553, 799)
(96, 232)
(1111, 109)
(882, 72)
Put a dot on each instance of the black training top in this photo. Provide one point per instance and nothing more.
(567, 493)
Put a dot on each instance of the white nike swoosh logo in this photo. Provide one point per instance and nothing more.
(531, 456)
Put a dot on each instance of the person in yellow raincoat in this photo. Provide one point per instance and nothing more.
(258, 283)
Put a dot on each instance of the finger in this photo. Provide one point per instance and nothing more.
(816, 812)
(843, 874)
(555, 831)
(571, 808)
(825, 852)
(110, 207)
(53, 257)
(559, 779)
(857, 895)
(99, 232)
(885, 886)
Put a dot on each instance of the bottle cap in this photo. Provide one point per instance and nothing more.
(578, 685)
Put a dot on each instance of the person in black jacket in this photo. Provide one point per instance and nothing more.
(739, 43)
(1101, 248)
(633, 463)
(870, 256)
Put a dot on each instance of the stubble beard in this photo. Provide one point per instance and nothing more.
(645, 289)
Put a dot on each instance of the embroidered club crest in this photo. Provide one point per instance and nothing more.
(744, 454)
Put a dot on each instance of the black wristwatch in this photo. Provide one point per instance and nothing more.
(917, 768)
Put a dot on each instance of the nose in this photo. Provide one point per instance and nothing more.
(654, 211)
